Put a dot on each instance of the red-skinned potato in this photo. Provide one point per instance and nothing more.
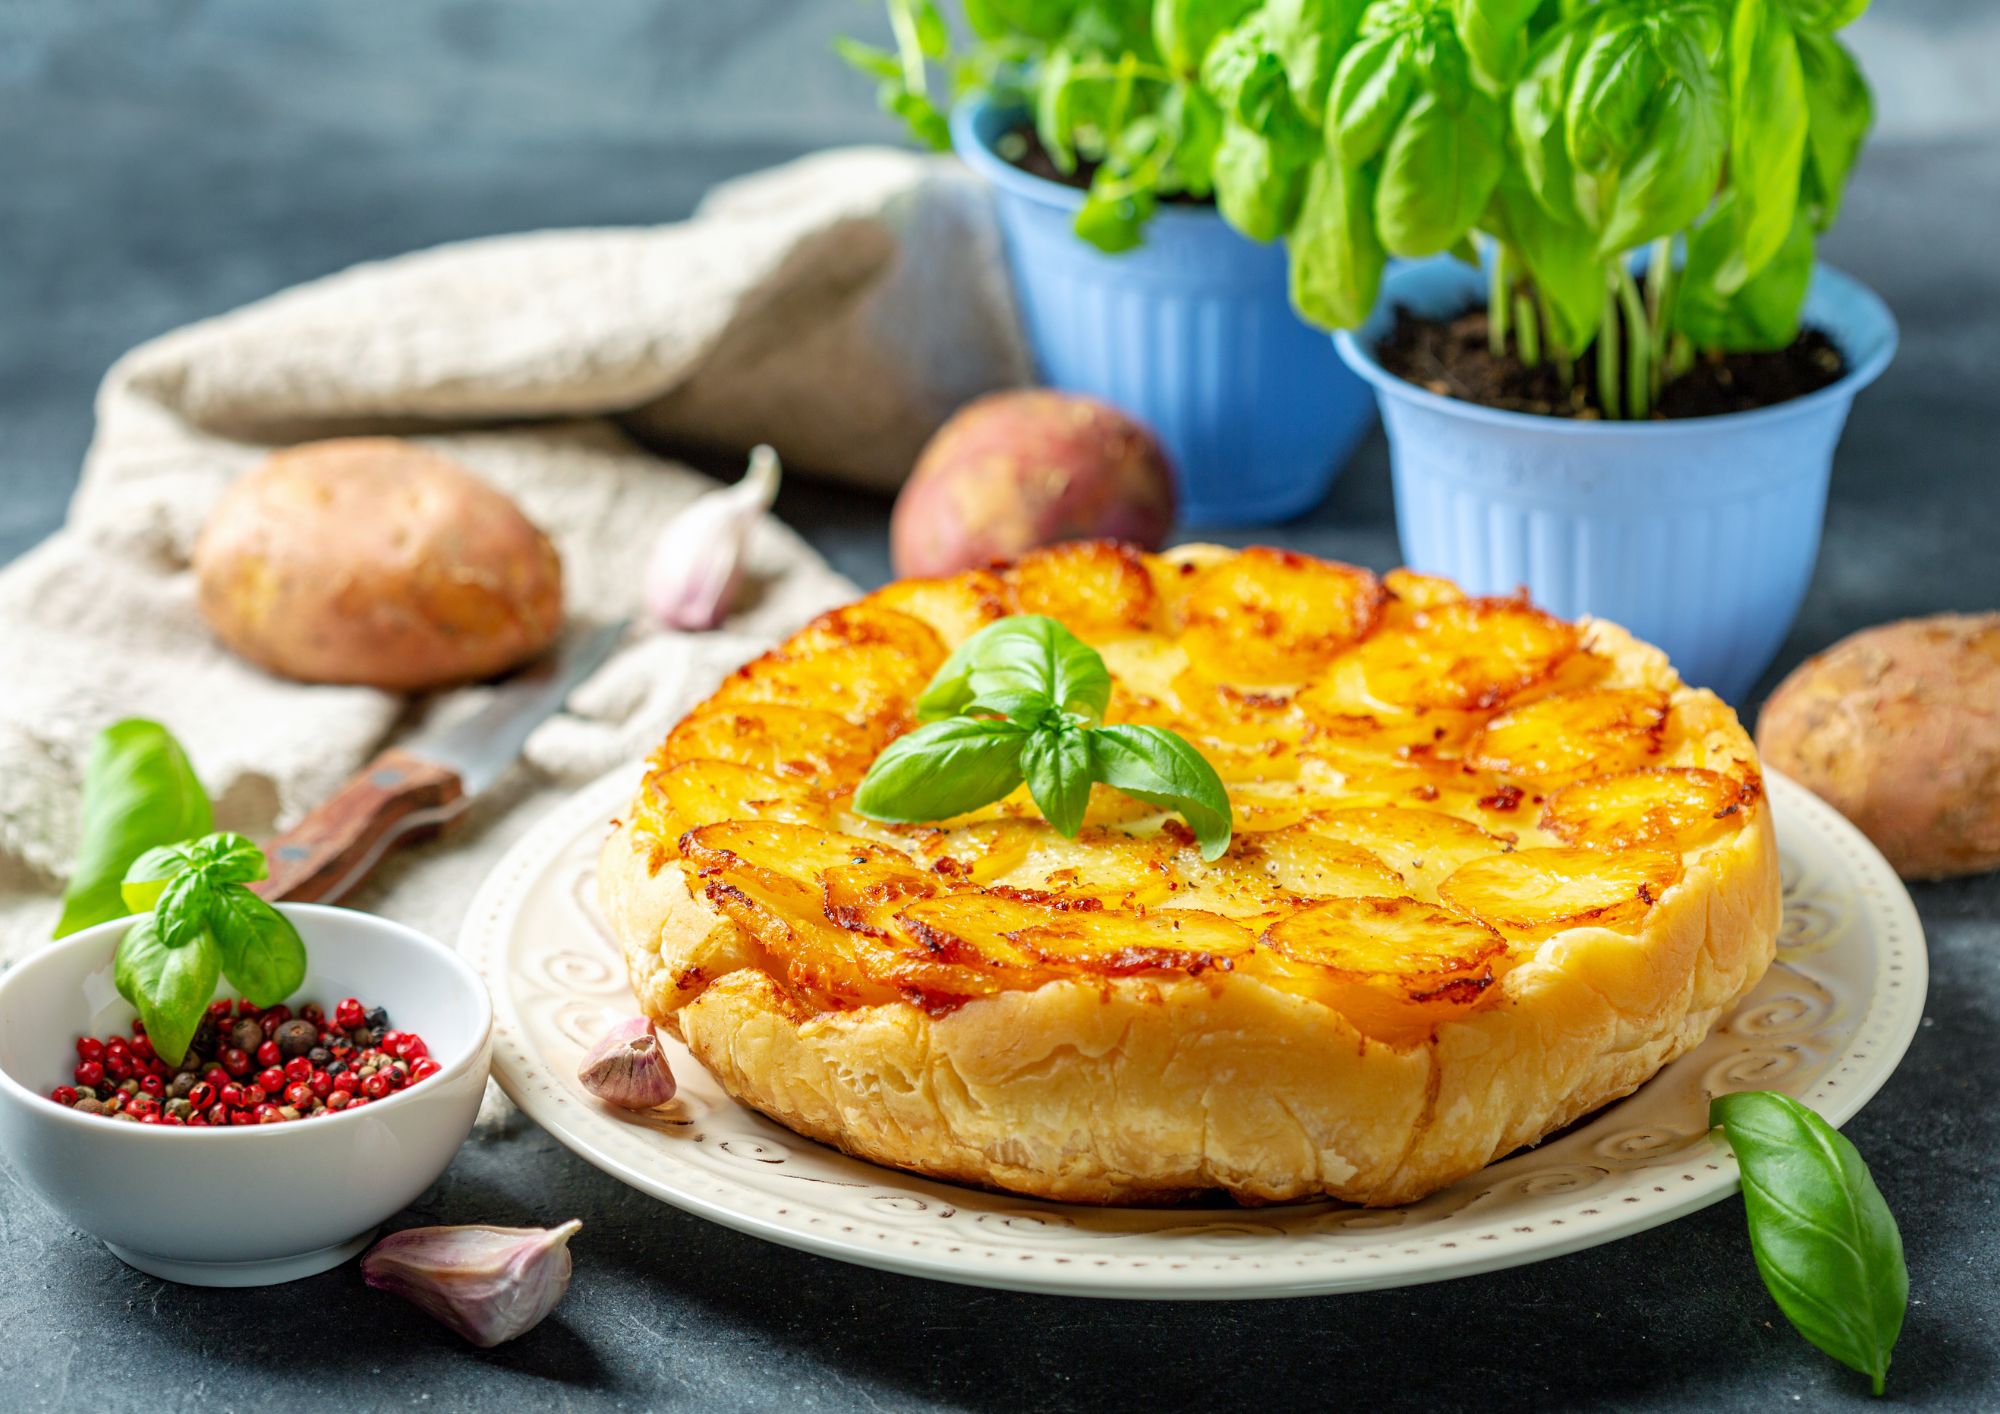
(373, 560)
(1898, 728)
(1015, 470)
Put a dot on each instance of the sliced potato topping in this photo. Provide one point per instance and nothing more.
(1098, 589)
(1424, 846)
(1272, 617)
(799, 742)
(863, 662)
(1473, 653)
(1532, 893)
(1680, 807)
(1395, 967)
(1386, 745)
(707, 792)
(1571, 735)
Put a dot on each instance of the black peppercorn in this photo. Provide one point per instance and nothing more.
(361, 1036)
(182, 1085)
(377, 1019)
(295, 1038)
(335, 1067)
(246, 1035)
(319, 1056)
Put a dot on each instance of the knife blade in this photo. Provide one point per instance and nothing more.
(412, 791)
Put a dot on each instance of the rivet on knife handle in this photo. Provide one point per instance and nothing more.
(396, 798)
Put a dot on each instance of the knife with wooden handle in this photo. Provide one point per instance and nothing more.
(413, 791)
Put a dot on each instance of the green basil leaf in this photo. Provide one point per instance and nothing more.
(876, 63)
(262, 954)
(1671, 174)
(1309, 38)
(1160, 768)
(1053, 118)
(1539, 103)
(1371, 89)
(1056, 763)
(169, 986)
(942, 769)
(1336, 252)
(1764, 313)
(1438, 174)
(152, 871)
(1495, 35)
(1839, 111)
(1256, 190)
(1560, 257)
(230, 859)
(1824, 1239)
(1019, 659)
(138, 791)
(1609, 95)
(182, 909)
(1822, 16)
(1767, 126)
(1184, 29)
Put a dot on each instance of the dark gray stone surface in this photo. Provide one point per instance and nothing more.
(165, 161)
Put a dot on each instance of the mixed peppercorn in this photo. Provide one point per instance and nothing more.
(250, 1065)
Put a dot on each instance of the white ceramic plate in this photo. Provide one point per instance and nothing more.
(1828, 1024)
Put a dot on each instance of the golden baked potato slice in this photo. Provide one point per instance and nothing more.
(1038, 940)
(1271, 617)
(1108, 865)
(1533, 893)
(801, 743)
(1394, 967)
(1678, 807)
(864, 662)
(1278, 869)
(706, 792)
(1097, 589)
(1571, 735)
(956, 607)
(1471, 654)
(1411, 593)
(1424, 847)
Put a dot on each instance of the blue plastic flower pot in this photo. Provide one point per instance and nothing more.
(1698, 534)
(1192, 333)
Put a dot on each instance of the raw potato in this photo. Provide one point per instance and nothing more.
(1898, 728)
(373, 560)
(1015, 470)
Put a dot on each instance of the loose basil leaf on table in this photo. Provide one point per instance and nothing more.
(1160, 768)
(168, 985)
(1056, 763)
(1825, 1242)
(942, 769)
(138, 791)
(263, 955)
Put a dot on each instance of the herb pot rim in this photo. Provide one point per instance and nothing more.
(976, 151)
(303, 915)
(1357, 348)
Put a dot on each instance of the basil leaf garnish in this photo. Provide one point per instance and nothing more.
(1057, 765)
(1018, 661)
(150, 874)
(1023, 699)
(942, 769)
(138, 791)
(169, 986)
(1160, 768)
(262, 954)
(1824, 1239)
(182, 910)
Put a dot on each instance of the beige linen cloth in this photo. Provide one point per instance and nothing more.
(837, 308)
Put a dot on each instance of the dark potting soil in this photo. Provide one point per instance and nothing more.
(1450, 357)
(1022, 147)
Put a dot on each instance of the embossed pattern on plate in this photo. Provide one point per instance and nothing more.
(1828, 1024)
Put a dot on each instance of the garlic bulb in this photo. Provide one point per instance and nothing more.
(489, 1284)
(627, 1068)
(697, 561)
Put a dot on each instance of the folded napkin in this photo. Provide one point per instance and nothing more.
(838, 308)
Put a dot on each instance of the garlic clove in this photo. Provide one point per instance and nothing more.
(696, 564)
(489, 1284)
(627, 1068)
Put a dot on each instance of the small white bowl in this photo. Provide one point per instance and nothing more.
(257, 1204)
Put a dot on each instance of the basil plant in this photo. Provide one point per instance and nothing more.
(1567, 137)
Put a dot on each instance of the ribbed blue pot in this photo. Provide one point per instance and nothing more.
(1192, 333)
(1697, 534)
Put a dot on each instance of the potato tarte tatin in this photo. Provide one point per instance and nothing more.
(1490, 870)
